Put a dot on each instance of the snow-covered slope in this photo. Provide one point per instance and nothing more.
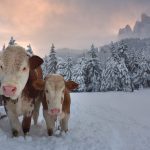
(99, 121)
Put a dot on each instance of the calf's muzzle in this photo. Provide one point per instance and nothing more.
(54, 111)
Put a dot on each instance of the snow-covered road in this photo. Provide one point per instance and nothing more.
(99, 121)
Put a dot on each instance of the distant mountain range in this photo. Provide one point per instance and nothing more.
(141, 29)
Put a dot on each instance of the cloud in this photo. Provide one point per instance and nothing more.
(67, 23)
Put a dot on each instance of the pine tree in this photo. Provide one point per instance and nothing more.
(92, 71)
(52, 60)
(12, 41)
(123, 52)
(29, 50)
(78, 73)
(65, 68)
(45, 66)
(141, 71)
(115, 76)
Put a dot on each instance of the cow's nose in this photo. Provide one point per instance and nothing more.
(9, 90)
(55, 111)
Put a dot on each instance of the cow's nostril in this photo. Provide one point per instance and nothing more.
(4, 88)
(14, 89)
(55, 111)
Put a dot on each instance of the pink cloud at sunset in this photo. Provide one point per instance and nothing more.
(66, 23)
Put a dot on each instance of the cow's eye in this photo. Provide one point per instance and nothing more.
(46, 91)
(24, 69)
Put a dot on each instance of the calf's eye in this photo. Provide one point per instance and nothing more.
(24, 69)
(46, 91)
(1, 67)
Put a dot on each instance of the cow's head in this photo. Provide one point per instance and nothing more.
(54, 87)
(16, 67)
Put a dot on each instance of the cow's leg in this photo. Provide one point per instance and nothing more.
(14, 122)
(26, 123)
(36, 110)
(64, 123)
(49, 122)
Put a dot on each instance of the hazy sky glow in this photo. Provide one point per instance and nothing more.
(66, 23)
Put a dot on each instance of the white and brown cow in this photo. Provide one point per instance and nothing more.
(56, 100)
(19, 96)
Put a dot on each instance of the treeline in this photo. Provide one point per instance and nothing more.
(125, 69)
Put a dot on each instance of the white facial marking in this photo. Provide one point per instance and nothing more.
(16, 71)
(54, 91)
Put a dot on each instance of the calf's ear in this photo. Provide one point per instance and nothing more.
(71, 85)
(35, 61)
(39, 84)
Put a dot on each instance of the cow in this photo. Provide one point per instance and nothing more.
(19, 96)
(56, 100)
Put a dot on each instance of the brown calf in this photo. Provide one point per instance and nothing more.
(56, 100)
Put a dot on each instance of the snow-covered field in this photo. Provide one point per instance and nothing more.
(99, 121)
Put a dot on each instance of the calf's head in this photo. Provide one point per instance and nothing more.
(54, 87)
(16, 68)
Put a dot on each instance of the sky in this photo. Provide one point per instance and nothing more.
(66, 23)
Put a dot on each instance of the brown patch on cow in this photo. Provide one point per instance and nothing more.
(71, 85)
(26, 124)
(66, 102)
(44, 103)
(34, 62)
(29, 90)
(39, 84)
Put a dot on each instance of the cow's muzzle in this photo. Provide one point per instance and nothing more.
(9, 90)
(54, 112)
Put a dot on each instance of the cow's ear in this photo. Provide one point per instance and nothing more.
(39, 84)
(35, 61)
(71, 85)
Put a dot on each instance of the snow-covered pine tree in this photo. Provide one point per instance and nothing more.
(52, 60)
(45, 66)
(123, 52)
(12, 41)
(67, 69)
(115, 76)
(92, 71)
(29, 50)
(141, 71)
(109, 80)
(78, 73)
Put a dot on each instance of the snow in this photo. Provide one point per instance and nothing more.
(99, 121)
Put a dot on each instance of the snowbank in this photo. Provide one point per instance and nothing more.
(99, 121)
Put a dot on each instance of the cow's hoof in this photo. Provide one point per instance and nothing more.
(26, 134)
(15, 133)
(26, 131)
(66, 130)
(50, 132)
